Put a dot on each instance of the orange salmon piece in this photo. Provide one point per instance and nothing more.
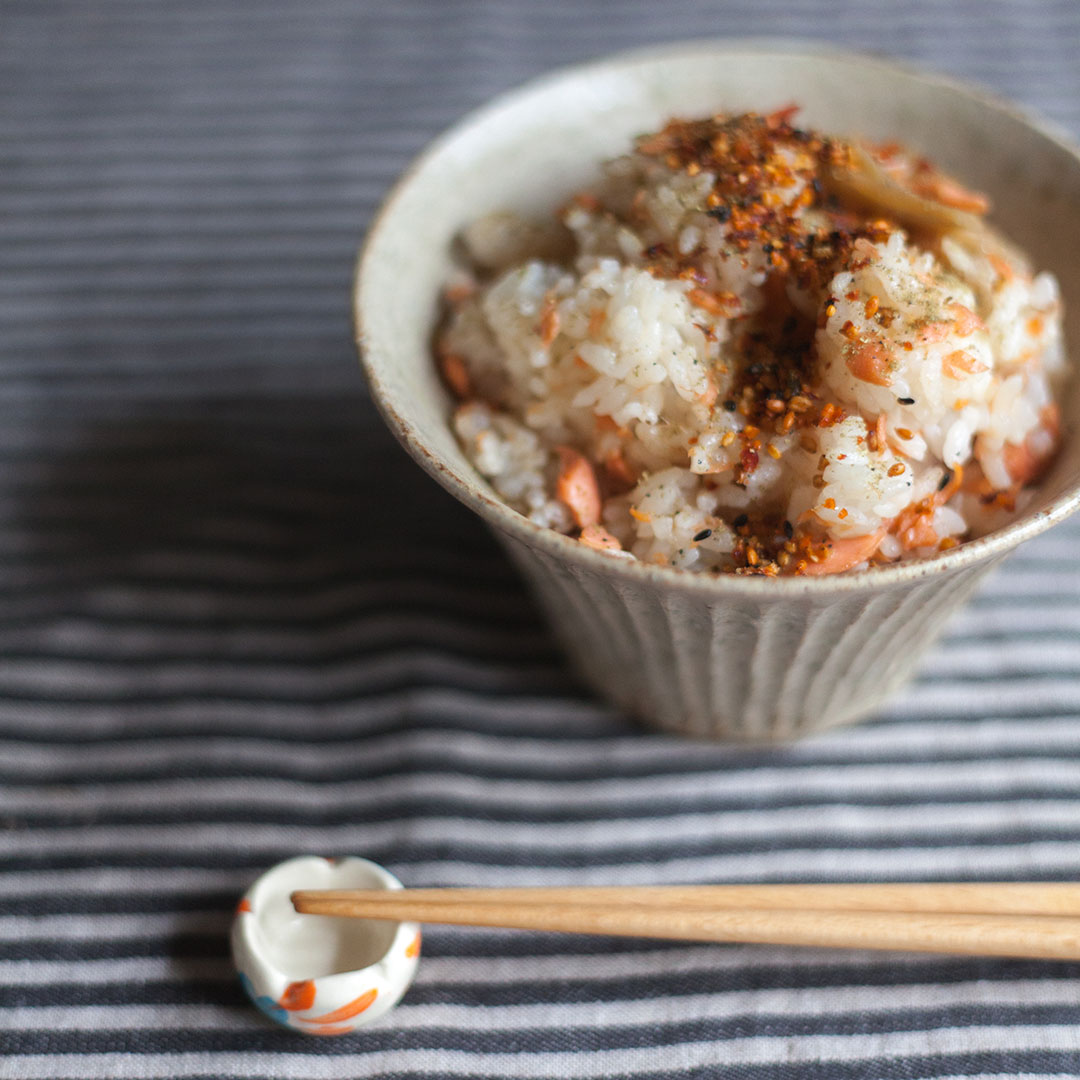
(869, 361)
(958, 364)
(577, 487)
(966, 322)
(914, 527)
(599, 539)
(844, 554)
(456, 374)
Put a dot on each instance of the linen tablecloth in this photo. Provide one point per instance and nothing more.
(238, 624)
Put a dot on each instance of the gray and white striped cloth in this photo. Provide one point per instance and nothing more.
(237, 624)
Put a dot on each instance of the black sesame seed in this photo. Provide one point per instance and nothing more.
(789, 529)
(721, 213)
(703, 535)
(767, 248)
(944, 482)
(729, 405)
(906, 400)
(740, 521)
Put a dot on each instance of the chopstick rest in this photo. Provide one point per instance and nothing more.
(321, 976)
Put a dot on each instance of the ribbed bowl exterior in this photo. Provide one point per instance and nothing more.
(740, 668)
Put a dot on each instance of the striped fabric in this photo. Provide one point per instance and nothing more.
(237, 624)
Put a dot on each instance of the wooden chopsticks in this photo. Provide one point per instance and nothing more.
(1033, 919)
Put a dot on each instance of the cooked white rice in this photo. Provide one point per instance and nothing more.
(865, 372)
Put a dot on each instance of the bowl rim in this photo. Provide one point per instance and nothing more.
(986, 550)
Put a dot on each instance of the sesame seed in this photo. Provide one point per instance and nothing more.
(773, 452)
(740, 521)
(703, 535)
(906, 400)
(789, 529)
(897, 469)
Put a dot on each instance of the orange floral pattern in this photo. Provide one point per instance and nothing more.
(298, 996)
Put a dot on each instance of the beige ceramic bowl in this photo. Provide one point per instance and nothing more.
(726, 657)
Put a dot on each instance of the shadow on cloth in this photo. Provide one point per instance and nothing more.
(201, 530)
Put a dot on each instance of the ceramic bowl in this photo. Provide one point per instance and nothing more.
(318, 974)
(727, 657)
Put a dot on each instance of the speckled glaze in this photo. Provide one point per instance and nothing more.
(299, 970)
(723, 657)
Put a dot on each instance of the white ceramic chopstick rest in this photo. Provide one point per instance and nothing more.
(313, 973)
